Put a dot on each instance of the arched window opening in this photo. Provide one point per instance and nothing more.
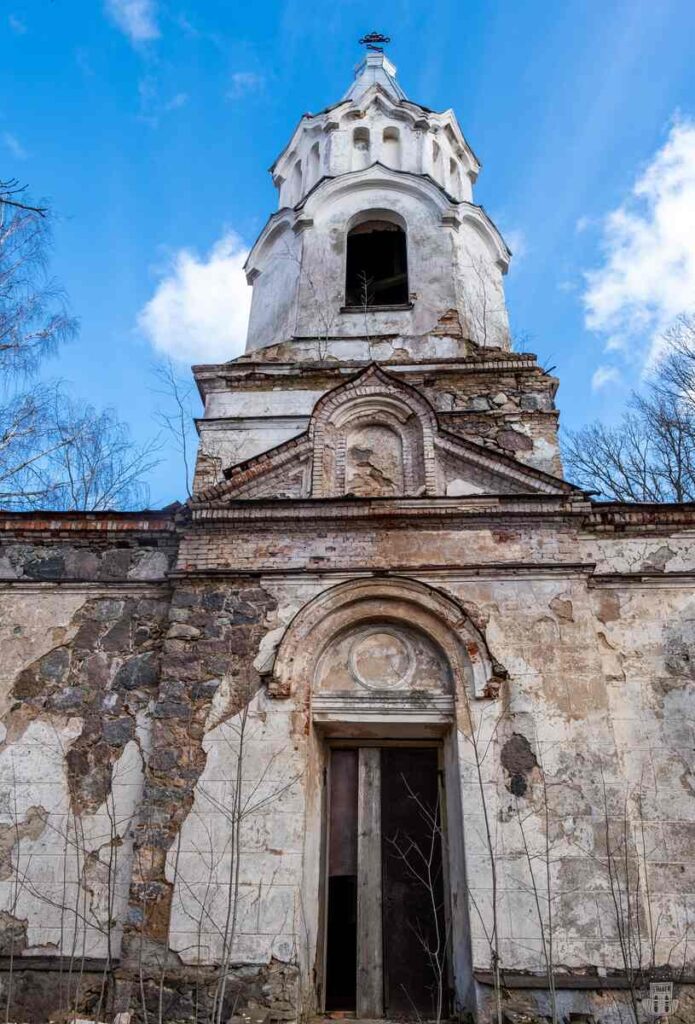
(454, 178)
(297, 182)
(360, 148)
(314, 164)
(377, 266)
(392, 147)
(436, 161)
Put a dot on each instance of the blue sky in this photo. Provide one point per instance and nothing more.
(150, 125)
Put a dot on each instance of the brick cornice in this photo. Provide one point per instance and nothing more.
(585, 515)
(57, 524)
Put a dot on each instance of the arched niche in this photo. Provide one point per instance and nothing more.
(296, 182)
(391, 147)
(314, 164)
(373, 437)
(429, 634)
(436, 161)
(382, 658)
(455, 187)
(373, 445)
(361, 148)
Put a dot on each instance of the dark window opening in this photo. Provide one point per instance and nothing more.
(377, 268)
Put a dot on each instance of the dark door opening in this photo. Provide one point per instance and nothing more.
(341, 918)
(385, 872)
(414, 926)
(376, 268)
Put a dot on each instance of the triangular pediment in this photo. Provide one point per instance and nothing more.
(469, 468)
(282, 472)
(376, 436)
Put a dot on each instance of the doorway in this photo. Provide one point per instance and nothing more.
(386, 934)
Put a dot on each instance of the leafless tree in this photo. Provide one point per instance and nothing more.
(245, 798)
(481, 304)
(12, 193)
(176, 416)
(649, 948)
(650, 454)
(677, 365)
(54, 452)
(478, 732)
(34, 318)
(319, 304)
(57, 454)
(214, 898)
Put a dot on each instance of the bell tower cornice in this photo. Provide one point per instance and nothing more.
(452, 212)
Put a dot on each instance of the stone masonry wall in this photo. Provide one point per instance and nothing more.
(156, 798)
(187, 840)
(83, 605)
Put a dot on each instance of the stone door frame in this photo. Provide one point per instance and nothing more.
(401, 714)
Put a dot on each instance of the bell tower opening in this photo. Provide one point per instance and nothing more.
(377, 265)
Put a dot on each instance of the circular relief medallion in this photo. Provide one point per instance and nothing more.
(382, 659)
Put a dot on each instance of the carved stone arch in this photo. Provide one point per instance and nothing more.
(383, 102)
(401, 604)
(351, 116)
(376, 399)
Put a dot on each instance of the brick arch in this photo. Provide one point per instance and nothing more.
(373, 398)
(402, 601)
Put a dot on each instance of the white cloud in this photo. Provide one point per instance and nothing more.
(177, 101)
(605, 375)
(200, 308)
(16, 24)
(153, 105)
(15, 146)
(648, 273)
(243, 83)
(136, 18)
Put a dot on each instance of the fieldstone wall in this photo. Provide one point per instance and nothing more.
(187, 845)
(83, 607)
(157, 829)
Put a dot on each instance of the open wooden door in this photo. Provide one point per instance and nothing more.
(386, 938)
(415, 938)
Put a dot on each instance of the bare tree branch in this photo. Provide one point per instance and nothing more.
(650, 455)
(177, 418)
(54, 452)
(10, 189)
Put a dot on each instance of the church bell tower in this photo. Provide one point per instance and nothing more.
(380, 274)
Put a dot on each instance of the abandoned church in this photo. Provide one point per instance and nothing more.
(390, 719)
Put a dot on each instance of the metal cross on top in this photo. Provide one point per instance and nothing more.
(375, 41)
